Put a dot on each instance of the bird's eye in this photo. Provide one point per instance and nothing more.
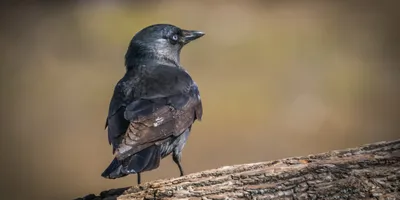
(174, 39)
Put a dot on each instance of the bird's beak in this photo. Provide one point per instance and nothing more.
(189, 36)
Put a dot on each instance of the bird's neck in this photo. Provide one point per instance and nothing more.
(139, 55)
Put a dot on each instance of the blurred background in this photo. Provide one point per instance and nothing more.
(277, 79)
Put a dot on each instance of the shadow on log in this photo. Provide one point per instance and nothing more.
(367, 172)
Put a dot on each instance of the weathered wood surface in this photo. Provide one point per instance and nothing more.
(367, 172)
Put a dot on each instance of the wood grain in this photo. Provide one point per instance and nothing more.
(367, 172)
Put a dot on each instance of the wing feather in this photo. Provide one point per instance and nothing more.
(156, 127)
(149, 106)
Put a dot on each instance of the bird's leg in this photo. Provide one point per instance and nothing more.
(138, 178)
(177, 159)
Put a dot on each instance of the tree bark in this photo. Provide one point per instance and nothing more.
(367, 172)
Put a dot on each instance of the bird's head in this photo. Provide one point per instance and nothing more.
(160, 41)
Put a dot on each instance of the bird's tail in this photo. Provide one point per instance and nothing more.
(144, 160)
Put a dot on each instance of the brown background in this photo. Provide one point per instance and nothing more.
(276, 79)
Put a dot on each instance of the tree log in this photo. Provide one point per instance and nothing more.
(368, 172)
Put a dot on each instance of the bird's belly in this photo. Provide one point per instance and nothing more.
(167, 147)
(174, 142)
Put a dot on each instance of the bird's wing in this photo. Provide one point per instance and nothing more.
(169, 103)
(116, 123)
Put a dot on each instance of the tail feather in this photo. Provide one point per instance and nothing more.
(145, 160)
(114, 170)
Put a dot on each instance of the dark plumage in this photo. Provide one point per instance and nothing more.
(154, 105)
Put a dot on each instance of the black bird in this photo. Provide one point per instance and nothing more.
(155, 103)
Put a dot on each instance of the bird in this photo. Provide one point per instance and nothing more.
(155, 103)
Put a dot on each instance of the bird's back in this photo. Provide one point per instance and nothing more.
(151, 113)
